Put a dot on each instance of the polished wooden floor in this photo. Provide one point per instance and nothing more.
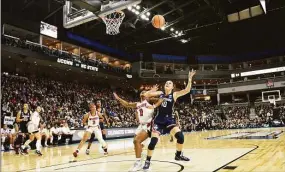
(206, 155)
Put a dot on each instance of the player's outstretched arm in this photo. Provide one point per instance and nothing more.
(180, 93)
(158, 103)
(153, 92)
(125, 103)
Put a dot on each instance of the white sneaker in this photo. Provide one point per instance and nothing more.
(11, 147)
(2, 148)
(137, 166)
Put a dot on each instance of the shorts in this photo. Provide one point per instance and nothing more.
(32, 128)
(144, 127)
(102, 127)
(165, 127)
(23, 129)
(93, 129)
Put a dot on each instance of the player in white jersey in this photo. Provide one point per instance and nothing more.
(33, 129)
(91, 120)
(144, 116)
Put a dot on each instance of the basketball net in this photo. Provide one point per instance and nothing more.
(113, 22)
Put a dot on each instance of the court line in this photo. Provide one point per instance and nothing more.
(256, 147)
(181, 166)
(76, 161)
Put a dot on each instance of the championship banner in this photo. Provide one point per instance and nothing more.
(8, 120)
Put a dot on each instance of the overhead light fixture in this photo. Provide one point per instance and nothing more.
(137, 13)
(147, 18)
(163, 28)
(148, 13)
(138, 7)
(130, 8)
(133, 10)
(143, 16)
(177, 32)
(171, 29)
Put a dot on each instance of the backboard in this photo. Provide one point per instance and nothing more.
(77, 12)
(271, 96)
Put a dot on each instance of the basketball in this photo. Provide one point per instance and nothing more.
(158, 21)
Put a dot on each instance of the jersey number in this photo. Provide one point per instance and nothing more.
(141, 112)
(164, 104)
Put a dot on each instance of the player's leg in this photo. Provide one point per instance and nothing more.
(103, 130)
(153, 141)
(138, 139)
(98, 134)
(90, 143)
(177, 133)
(38, 143)
(25, 147)
(83, 140)
(18, 142)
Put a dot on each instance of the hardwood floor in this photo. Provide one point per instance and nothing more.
(219, 154)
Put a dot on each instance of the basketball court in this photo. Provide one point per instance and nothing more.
(222, 154)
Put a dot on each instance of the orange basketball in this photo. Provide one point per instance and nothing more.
(158, 21)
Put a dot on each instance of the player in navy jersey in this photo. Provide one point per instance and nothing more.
(22, 119)
(164, 122)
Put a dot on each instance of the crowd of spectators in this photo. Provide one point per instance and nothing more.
(64, 105)
(22, 43)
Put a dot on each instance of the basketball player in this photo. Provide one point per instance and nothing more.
(33, 129)
(144, 116)
(164, 121)
(103, 118)
(176, 115)
(91, 120)
(23, 117)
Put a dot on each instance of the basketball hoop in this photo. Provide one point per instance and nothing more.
(113, 22)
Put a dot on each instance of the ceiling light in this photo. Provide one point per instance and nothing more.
(130, 8)
(147, 19)
(133, 10)
(171, 29)
(177, 32)
(138, 7)
(137, 13)
(143, 16)
(163, 28)
(148, 13)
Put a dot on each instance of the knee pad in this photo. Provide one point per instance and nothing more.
(153, 142)
(180, 137)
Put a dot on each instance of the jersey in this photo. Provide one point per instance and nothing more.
(165, 110)
(93, 121)
(145, 114)
(35, 118)
(23, 124)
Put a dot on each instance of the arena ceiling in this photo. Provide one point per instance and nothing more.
(204, 24)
